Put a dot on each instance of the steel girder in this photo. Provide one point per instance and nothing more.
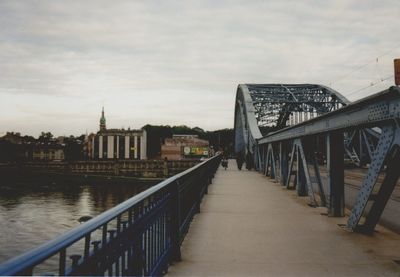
(247, 131)
(275, 103)
(366, 128)
(274, 106)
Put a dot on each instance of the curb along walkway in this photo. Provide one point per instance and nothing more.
(251, 226)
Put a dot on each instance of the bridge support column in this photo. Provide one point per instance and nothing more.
(270, 169)
(384, 193)
(301, 178)
(257, 158)
(264, 160)
(387, 153)
(335, 167)
(283, 162)
(361, 152)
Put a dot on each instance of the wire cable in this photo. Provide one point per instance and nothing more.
(364, 65)
(370, 85)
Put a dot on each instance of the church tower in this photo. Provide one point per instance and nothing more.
(102, 121)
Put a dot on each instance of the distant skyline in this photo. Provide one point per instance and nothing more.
(179, 62)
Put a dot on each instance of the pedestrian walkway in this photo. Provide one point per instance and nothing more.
(249, 225)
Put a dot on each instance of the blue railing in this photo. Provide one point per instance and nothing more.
(139, 237)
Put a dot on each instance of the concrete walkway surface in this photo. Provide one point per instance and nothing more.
(249, 225)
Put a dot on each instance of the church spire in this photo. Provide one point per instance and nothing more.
(102, 121)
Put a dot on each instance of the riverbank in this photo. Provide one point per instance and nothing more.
(147, 169)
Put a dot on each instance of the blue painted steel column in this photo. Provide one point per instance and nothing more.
(284, 163)
(136, 263)
(386, 189)
(301, 178)
(335, 167)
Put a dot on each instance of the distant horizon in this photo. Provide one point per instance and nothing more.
(123, 127)
(94, 132)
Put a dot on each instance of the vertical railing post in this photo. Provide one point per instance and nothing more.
(335, 167)
(62, 262)
(206, 183)
(136, 261)
(208, 178)
(175, 223)
(199, 195)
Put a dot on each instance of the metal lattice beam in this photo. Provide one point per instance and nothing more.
(366, 131)
(275, 106)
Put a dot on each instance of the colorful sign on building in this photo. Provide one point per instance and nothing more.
(195, 151)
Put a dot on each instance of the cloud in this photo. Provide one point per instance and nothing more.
(179, 62)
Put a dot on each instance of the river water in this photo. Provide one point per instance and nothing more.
(35, 209)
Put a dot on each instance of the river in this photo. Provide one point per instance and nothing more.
(35, 209)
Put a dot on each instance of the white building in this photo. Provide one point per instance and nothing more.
(119, 143)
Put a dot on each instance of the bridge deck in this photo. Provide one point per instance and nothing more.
(249, 225)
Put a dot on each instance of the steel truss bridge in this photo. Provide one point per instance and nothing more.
(287, 131)
(283, 131)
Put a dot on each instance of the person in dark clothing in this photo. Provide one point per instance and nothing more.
(224, 163)
(239, 161)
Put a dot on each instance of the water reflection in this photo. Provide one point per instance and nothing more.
(35, 209)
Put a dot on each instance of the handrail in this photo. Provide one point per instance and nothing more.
(203, 173)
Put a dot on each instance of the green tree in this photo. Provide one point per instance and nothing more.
(45, 137)
(73, 149)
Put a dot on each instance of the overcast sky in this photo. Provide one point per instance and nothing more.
(179, 62)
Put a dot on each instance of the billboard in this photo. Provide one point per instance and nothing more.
(192, 151)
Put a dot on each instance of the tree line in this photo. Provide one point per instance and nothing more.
(220, 140)
(73, 146)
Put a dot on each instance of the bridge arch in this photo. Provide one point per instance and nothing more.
(290, 130)
(265, 108)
